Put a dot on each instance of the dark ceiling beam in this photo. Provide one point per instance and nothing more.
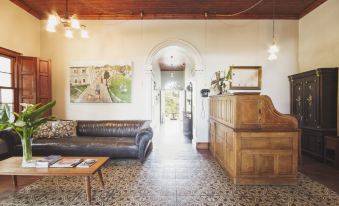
(27, 8)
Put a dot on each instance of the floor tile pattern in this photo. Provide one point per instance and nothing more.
(174, 174)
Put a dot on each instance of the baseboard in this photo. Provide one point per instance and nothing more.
(202, 145)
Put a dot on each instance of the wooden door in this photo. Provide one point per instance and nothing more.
(27, 68)
(44, 81)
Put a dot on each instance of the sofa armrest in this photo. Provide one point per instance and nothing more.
(143, 140)
(146, 133)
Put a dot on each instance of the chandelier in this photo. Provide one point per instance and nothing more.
(70, 23)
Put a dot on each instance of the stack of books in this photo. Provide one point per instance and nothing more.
(47, 161)
(57, 161)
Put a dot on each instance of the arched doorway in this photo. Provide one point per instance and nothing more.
(167, 57)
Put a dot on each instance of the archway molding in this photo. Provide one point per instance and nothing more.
(192, 52)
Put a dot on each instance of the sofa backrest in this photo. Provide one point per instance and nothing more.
(110, 128)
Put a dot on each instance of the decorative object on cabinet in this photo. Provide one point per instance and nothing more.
(188, 115)
(246, 78)
(34, 80)
(221, 81)
(314, 103)
(253, 142)
(101, 84)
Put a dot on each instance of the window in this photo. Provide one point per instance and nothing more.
(83, 80)
(84, 71)
(7, 84)
(75, 81)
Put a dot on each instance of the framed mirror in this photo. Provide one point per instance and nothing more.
(246, 78)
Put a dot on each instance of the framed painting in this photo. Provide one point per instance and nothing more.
(246, 78)
(101, 84)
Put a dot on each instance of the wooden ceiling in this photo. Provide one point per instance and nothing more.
(171, 9)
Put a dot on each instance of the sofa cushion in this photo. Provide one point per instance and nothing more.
(43, 131)
(109, 128)
(56, 129)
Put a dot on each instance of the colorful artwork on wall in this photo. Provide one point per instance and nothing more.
(101, 84)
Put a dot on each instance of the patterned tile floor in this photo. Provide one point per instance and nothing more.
(174, 174)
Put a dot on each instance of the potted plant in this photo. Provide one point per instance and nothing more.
(25, 124)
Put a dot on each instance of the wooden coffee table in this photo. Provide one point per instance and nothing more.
(12, 167)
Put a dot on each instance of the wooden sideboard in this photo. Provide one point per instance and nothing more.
(253, 142)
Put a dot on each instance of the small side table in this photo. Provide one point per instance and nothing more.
(331, 150)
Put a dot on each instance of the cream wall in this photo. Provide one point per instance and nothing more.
(19, 30)
(228, 42)
(319, 37)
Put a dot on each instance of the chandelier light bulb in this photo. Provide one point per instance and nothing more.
(84, 32)
(75, 24)
(272, 57)
(273, 49)
(68, 33)
(50, 28)
(53, 20)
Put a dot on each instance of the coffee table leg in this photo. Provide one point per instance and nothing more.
(15, 181)
(101, 179)
(88, 188)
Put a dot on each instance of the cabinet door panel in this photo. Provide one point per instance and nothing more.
(297, 98)
(264, 164)
(311, 102)
(212, 137)
(220, 144)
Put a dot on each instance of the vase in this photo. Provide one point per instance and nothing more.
(27, 152)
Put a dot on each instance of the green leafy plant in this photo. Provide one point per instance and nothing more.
(25, 123)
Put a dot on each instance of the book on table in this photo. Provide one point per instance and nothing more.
(87, 163)
(67, 162)
(47, 161)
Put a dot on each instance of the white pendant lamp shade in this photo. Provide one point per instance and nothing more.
(53, 20)
(84, 32)
(75, 24)
(50, 28)
(68, 33)
(273, 48)
(272, 57)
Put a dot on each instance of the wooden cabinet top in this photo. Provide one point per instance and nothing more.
(315, 72)
(250, 112)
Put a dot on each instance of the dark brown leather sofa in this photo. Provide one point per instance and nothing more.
(114, 139)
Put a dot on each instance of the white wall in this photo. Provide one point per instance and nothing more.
(226, 43)
(319, 37)
(19, 30)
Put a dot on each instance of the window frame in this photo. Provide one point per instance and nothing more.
(14, 84)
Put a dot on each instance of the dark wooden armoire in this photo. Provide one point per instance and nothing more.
(34, 80)
(314, 103)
